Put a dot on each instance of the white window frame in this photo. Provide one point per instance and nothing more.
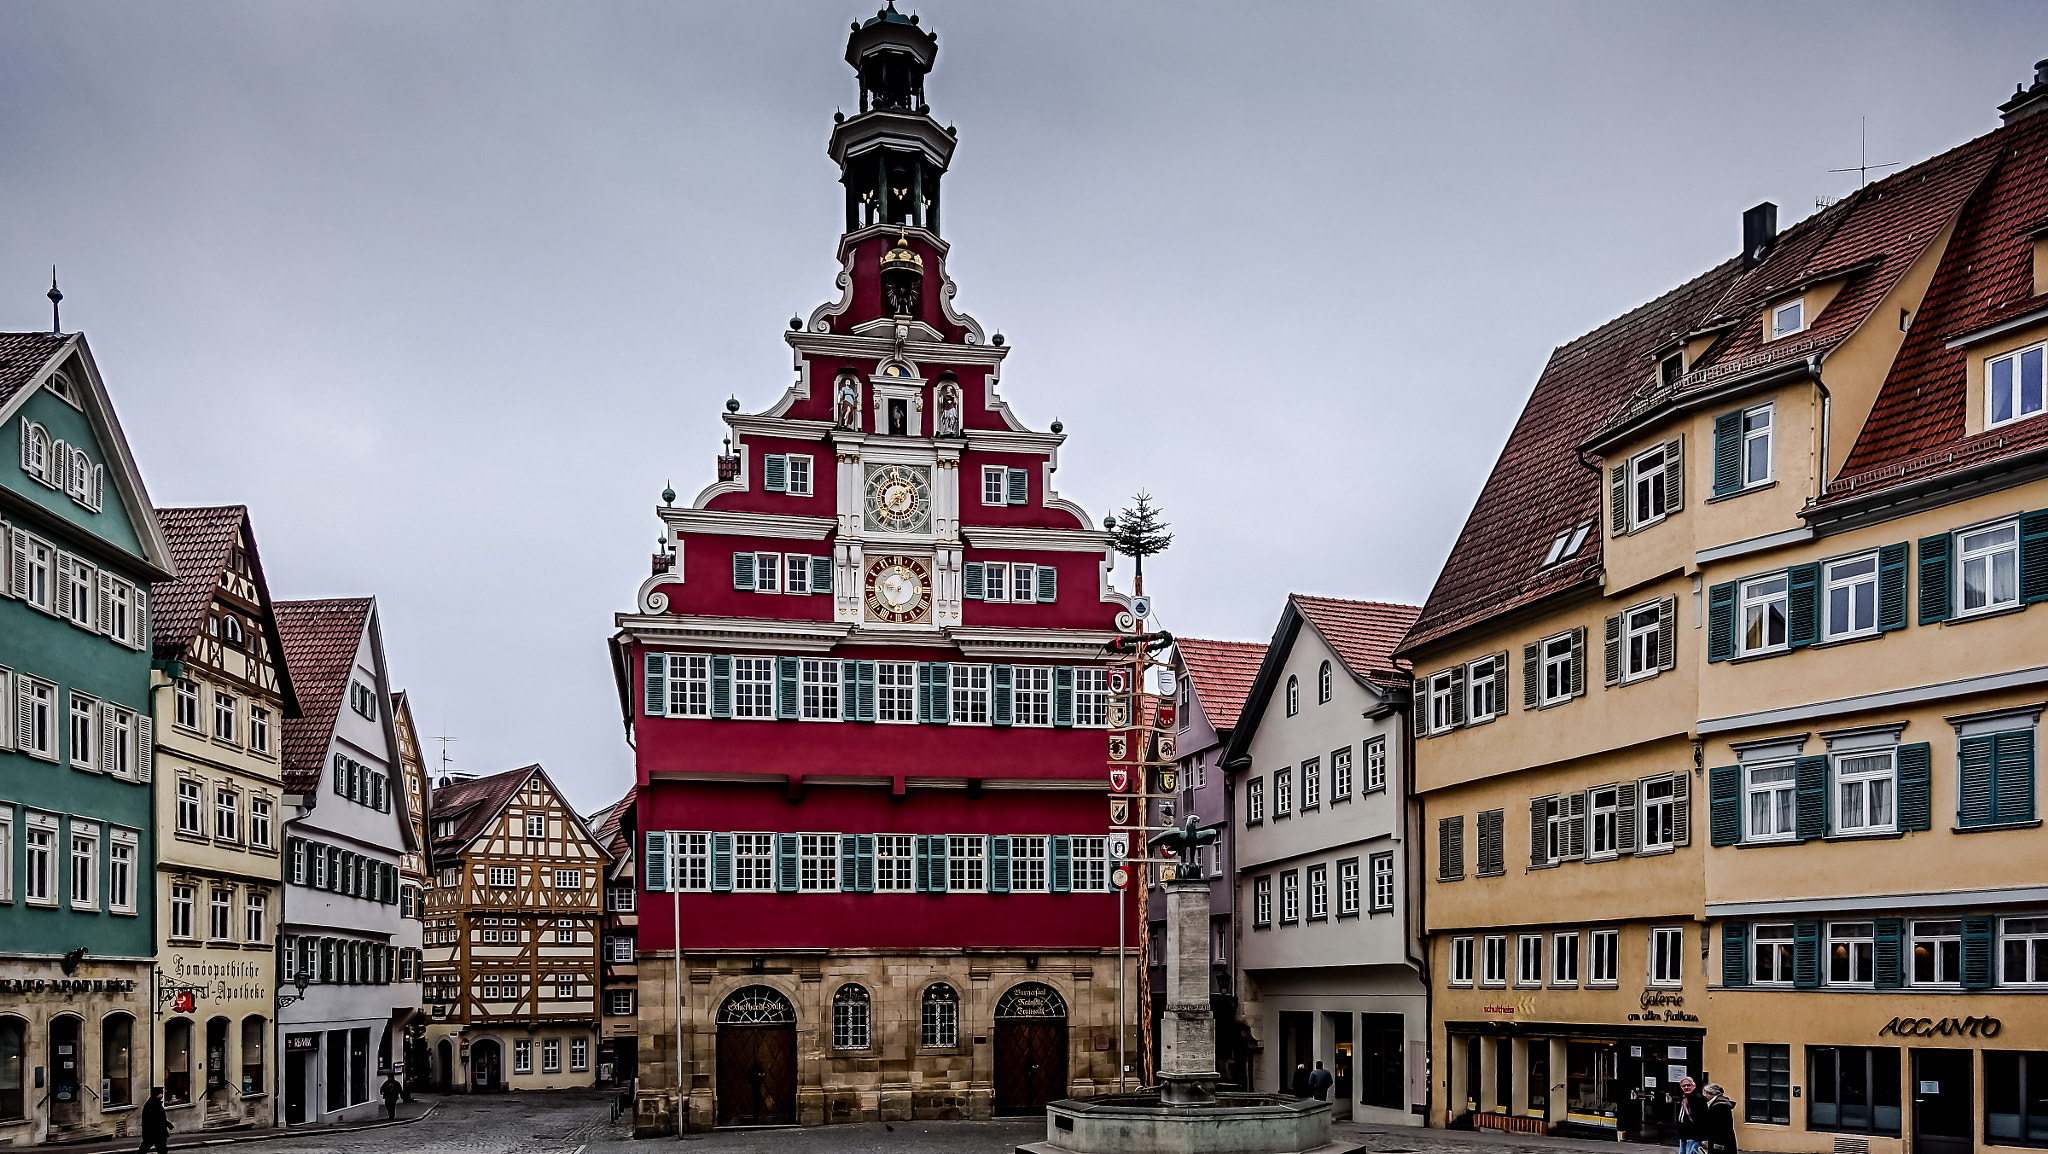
(39, 700)
(767, 572)
(689, 685)
(1640, 651)
(1529, 961)
(1646, 473)
(522, 1055)
(1493, 971)
(966, 863)
(1031, 696)
(220, 914)
(1382, 883)
(259, 730)
(995, 581)
(84, 731)
(1442, 691)
(753, 863)
(1990, 556)
(120, 623)
(1318, 893)
(1312, 783)
(796, 573)
(1255, 800)
(1603, 823)
(504, 877)
(759, 683)
(2030, 933)
(185, 705)
(895, 863)
(1564, 959)
(1779, 791)
(1262, 902)
(995, 483)
(1772, 955)
(184, 902)
(896, 692)
(1376, 765)
(536, 825)
(1603, 958)
(797, 476)
(1482, 690)
(1554, 656)
(1293, 695)
(2016, 358)
(192, 806)
(1788, 318)
(1089, 857)
(1870, 780)
(1758, 424)
(569, 879)
(1859, 941)
(80, 596)
(84, 849)
(1091, 703)
(1023, 583)
(565, 933)
(1030, 863)
(818, 689)
(1658, 833)
(41, 559)
(254, 910)
(227, 815)
(1857, 591)
(818, 863)
(225, 717)
(1340, 774)
(1461, 961)
(1348, 888)
(1753, 604)
(123, 851)
(1944, 939)
(1566, 544)
(1290, 897)
(1667, 956)
(969, 685)
(1283, 793)
(579, 1054)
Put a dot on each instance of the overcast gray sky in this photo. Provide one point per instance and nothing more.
(446, 292)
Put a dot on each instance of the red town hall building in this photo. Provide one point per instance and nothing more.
(867, 692)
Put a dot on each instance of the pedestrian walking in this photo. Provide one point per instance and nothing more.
(1720, 1120)
(391, 1092)
(156, 1125)
(1319, 1081)
(1691, 1118)
(1300, 1085)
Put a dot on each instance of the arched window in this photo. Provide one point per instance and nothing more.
(231, 631)
(850, 1018)
(13, 1059)
(35, 452)
(939, 1018)
(756, 1006)
(117, 1051)
(1031, 1000)
(897, 369)
(1323, 684)
(252, 1053)
(177, 1061)
(1293, 695)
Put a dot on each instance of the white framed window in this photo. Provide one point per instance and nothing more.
(1604, 948)
(1556, 829)
(1031, 694)
(895, 863)
(1659, 831)
(1023, 583)
(619, 951)
(579, 1048)
(1865, 792)
(1852, 953)
(1494, 960)
(818, 862)
(1482, 690)
(1770, 954)
(220, 922)
(1788, 318)
(84, 715)
(1556, 654)
(259, 729)
(1566, 544)
(85, 859)
(1647, 498)
(181, 911)
(224, 716)
(1216, 859)
(753, 862)
(320, 866)
(565, 932)
(1293, 695)
(33, 560)
(122, 754)
(753, 687)
(121, 615)
(966, 861)
(796, 573)
(2013, 387)
(227, 815)
(767, 572)
(1772, 807)
(1756, 445)
(522, 1054)
(1347, 887)
(1667, 956)
(1937, 958)
(1529, 959)
(1312, 783)
(189, 820)
(1564, 959)
(1602, 825)
(185, 702)
(1461, 961)
(504, 877)
(121, 847)
(254, 907)
(820, 695)
(896, 692)
(1318, 893)
(1290, 897)
(939, 1018)
(1340, 774)
(1091, 703)
(1640, 650)
(1763, 614)
(970, 694)
(536, 825)
(994, 485)
(1324, 684)
(1027, 864)
(76, 597)
(618, 1003)
(1283, 792)
(1262, 901)
(1988, 568)
(995, 581)
(1376, 765)
(689, 685)
(2023, 951)
(36, 723)
(798, 478)
(569, 879)
(1443, 690)
(1382, 883)
(1255, 801)
(1850, 591)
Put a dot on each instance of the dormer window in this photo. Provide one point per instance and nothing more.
(1566, 544)
(2013, 386)
(1670, 369)
(1788, 318)
(231, 629)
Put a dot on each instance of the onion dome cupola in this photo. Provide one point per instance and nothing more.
(891, 153)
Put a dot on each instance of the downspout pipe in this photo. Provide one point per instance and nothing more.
(1827, 402)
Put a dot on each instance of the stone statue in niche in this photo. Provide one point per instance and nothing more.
(847, 411)
(949, 410)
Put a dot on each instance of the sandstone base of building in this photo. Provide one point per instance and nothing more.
(78, 1018)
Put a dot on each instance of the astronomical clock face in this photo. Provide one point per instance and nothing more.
(899, 590)
(899, 499)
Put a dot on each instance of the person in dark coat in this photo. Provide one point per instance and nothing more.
(1690, 1114)
(1720, 1120)
(391, 1091)
(156, 1125)
(1300, 1085)
(1319, 1081)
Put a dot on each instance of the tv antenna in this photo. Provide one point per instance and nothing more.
(1864, 169)
(444, 739)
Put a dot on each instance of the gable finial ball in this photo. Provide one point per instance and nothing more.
(668, 494)
(998, 338)
(732, 404)
(795, 324)
(1057, 427)
(1109, 523)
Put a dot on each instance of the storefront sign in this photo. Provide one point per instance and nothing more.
(301, 1042)
(67, 985)
(1652, 998)
(1941, 1027)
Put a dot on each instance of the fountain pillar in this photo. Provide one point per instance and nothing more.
(1187, 1033)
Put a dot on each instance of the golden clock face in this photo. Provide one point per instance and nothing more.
(899, 590)
(899, 499)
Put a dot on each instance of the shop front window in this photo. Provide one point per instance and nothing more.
(13, 1055)
(177, 1062)
(117, 1052)
(1852, 1088)
(2015, 1097)
(1592, 1084)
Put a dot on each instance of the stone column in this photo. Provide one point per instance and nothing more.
(1187, 1048)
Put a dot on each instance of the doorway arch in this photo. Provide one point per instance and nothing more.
(756, 1058)
(1031, 1047)
(67, 1070)
(486, 1066)
(445, 1066)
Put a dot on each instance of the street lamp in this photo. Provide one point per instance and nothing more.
(299, 982)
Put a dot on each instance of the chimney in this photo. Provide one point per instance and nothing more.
(1759, 232)
(2027, 101)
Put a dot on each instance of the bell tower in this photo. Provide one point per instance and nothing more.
(891, 153)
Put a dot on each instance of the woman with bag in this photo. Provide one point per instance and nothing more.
(1720, 1127)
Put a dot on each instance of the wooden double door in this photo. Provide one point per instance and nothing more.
(757, 1075)
(1031, 1062)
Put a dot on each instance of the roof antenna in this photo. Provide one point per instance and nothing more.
(444, 739)
(1862, 170)
(56, 295)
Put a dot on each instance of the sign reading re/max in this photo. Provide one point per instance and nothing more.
(1941, 1027)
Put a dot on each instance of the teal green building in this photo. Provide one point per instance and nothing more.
(77, 852)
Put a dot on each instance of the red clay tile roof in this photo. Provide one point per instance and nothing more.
(1915, 429)
(201, 540)
(1221, 673)
(23, 356)
(473, 805)
(320, 642)
(1363, 633)
(604, 824)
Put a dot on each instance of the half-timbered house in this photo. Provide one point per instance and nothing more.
(619, 960)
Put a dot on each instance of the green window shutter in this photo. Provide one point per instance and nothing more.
(999, 695)
(1724, 802)
(1721, 622)
(864, 678)
(935, 863)
(924, 692)
(974, 576)
(1062, 872)
(743, 571)
(821, 575)
(849, 690)
(1976, 765)
(721, 863)
(1811, 792)
(922, 871)
(2013, 776)
(1617, 500)
(1890, 970)
(1734, 953)
(849, 862)
(1802, 605)
(657, 862)
(1019, 488)
(785, 863)
(1934, 579)
(999, 864)
(1530, 682)
(1916, 801)
(1613, 649)
(1048, 584)
(1806, 955)
(1979, 947)
(786, 669)
(1891, 585)
(721, 685)
(864, 877)
(656, 685)
(1728, 453)
(2034, 555)
(942, 693)
(775, 473)
(1063, 696)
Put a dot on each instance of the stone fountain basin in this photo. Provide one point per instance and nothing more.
(1142, 1124)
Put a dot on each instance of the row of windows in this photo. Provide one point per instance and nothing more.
(689, 862)
(66, 468)
(188, 708)
(1858, 1089)
(1379, 892)
(550, 1055)
(1640, 643)
(1945, 951)
(229, 825)
(73, 588)
(362, 784)
(720, 685)
(1323, 690)
(799, 573)
(511, 987)
(1484, 960)
(91, 735)
(1311, 777)
(68, 862)
(1647, 816)
(791, 473)
(347, 962)
(220, 914)
(331, 868)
